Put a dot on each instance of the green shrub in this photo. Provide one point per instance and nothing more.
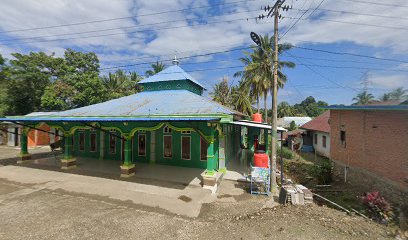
(286, 153)
(323, 172)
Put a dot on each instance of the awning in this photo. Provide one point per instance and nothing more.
(256, 125)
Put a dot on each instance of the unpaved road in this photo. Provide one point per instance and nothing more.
(58, 214)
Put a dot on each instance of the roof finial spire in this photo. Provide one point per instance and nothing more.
(175, 61)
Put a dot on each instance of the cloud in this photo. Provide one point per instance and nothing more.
(389, 81)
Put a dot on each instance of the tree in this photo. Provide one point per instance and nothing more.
(284, 110)
(241, 100)
(221, 92)
(156, 68)
(363, 98)
(77, 85)
(3, 87)
(309, 107)
(385, 97)
(258, 70)
(28, 76)
(119, 84)
(292, 126)
(398, 94)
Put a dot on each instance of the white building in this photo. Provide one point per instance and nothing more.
(318, 130)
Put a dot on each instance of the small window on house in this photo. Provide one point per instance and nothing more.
(178, 86)
(186, 147)
(92, 142)
(112, 143)
(142, 145)
(203, 149)
(168, 87)
(324, 141)
(159, 87)
(315, 139)
(166, 129)
(81, 141)
(343, 138)
(185, 132)
(167, 146)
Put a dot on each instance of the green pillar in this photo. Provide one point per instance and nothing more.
(68, 146)
(128, 168)
(24, 155)
(266, 137)
(68, 161)
(211, 160)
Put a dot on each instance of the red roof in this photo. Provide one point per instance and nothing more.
(320, 123)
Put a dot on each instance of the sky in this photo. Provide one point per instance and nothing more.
(209, 36)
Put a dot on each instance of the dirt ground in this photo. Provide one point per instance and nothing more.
(46, 214)
(29, 212)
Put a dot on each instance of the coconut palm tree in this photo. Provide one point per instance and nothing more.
(258, 70)
(221, 92)
(120, 84)
(385, 97)
(363, 98)
(241, 100)
(156, 68)
(398, 94)
(284, 109)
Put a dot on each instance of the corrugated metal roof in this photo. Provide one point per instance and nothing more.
(172, 73)
(370, 107)
(320, 123)
(285, 121)
(257, 125)
(36, 114)
(166, 102)
(102, 119)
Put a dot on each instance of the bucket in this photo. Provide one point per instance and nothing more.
(257, 117)
(261, 160)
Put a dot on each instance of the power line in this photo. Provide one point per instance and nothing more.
(355, 23)
(294, 24)
(192, 56)
(377, 3)
(138, 31)
(356, 13)
(352, 67)
(127, 17)
(351, 54)
(122, 28)
(321, 75)
(339, 60)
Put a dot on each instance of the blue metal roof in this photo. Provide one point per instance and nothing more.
(104, 119)
(172, 73)
(370, 107)
(166, 103)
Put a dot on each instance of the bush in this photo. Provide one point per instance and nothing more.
(286, 153)
(323, 172)
(377, 206)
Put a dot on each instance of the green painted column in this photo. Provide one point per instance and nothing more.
(68, 161)
(211, 164)
(24, 155)
(68, 147)
(266, 136)
(23, 141)
(128, 168)
(127, 152)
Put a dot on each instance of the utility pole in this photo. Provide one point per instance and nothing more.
(275, 101)
(273, 11)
